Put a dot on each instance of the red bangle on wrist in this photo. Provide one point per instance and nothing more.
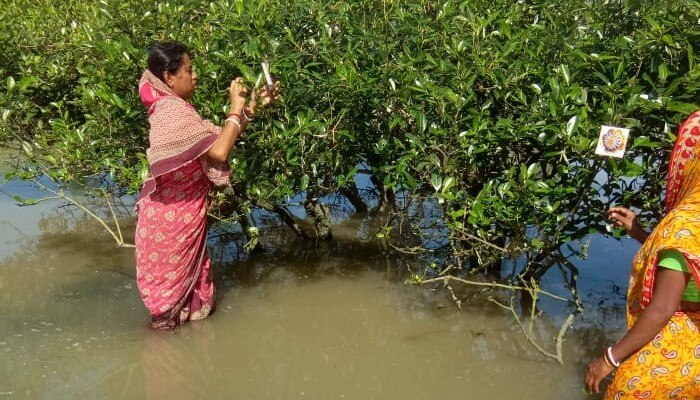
(235, 115)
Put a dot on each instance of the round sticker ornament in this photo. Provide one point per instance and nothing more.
(612, 141)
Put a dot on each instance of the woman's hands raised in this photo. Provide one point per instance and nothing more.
(259, 98)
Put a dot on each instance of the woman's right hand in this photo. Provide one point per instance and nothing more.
(595, 372)
(626, 219)
(621, 217)
(238, 94)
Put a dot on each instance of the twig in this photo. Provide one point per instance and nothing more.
(454, 296)
(478, 239)
(114, 217)
(533, 306)
(410, 250)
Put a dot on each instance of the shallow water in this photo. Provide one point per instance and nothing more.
(300, 324)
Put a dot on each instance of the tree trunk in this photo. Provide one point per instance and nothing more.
(321, 217)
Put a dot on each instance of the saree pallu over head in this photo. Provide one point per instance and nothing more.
(669, 365)
(177, 136)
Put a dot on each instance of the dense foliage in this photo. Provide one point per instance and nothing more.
(487, 109)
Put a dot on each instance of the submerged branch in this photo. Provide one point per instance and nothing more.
(527, 330)
(59, 194)
(285, 215)
(489, 284)
(558, 340)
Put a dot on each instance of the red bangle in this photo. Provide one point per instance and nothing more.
(235, 115)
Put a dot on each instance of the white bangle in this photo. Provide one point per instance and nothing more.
(235, 121)
(609, 355)
(247, 117)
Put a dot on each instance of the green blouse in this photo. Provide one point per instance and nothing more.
(673, 259)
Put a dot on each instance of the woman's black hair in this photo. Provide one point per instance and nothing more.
(166, 56)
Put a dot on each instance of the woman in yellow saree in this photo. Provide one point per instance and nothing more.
(659, 357)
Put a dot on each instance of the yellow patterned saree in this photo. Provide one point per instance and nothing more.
(668, 367)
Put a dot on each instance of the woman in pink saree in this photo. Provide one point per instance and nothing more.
(187, 156)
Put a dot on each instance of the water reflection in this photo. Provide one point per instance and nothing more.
(178, 366)
(293, 322)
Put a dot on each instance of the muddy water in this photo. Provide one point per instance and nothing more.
(297, 325)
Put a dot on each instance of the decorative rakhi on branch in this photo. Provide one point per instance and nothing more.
(612, 141)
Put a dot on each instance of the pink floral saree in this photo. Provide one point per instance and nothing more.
(173, 272)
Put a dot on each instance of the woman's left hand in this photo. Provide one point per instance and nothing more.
(596, 371)
(267, 94)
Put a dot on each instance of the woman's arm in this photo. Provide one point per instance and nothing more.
(231, 131)
(668, 290)
(669, 286)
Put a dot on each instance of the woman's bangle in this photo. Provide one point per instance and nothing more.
(247, 117)
(609, 357)
(235, 115)
(605, 358)
(235, 121)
